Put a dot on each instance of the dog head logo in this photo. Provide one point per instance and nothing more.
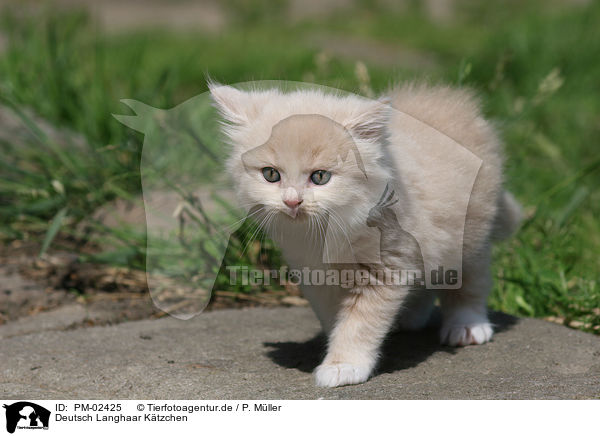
(26, 415)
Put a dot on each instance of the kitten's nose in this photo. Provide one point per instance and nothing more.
(292, 199)
(292, 203)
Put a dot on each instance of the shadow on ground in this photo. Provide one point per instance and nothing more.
(401, 350)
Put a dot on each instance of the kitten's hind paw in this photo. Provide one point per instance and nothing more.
(340, 374)
(462, 335)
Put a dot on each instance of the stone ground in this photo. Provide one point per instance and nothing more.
(269, 353)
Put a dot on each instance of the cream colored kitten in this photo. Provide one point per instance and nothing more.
(412, 182)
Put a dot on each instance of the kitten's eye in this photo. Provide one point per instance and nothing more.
(271, 174)
(320, 177)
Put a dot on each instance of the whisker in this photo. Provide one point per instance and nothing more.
(266, 231)
(339, 222)
(230, 227)
(254, 233)
(323, 236)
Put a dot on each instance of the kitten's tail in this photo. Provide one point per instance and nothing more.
(508, 217)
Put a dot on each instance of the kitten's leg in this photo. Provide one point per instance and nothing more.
(364, 319)
(416, 310)
(464, 311)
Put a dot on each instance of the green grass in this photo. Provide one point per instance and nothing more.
(535, 67)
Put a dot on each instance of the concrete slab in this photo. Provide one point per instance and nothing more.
(270, 353)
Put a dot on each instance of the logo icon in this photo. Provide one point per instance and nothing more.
(26, 415)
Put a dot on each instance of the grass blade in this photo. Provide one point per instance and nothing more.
(53, 229)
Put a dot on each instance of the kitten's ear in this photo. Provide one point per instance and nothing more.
(234, 105)
(370, 121)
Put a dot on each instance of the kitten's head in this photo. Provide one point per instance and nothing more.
(304, 153)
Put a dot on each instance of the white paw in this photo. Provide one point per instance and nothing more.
(462, 335)
(340, 374)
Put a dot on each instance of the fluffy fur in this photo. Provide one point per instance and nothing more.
(364, 144)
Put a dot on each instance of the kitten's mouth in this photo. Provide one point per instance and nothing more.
(294, 213)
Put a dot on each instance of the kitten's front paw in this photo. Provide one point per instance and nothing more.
(462, 335)
(340, 374)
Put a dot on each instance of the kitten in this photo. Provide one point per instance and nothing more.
(314, 164)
